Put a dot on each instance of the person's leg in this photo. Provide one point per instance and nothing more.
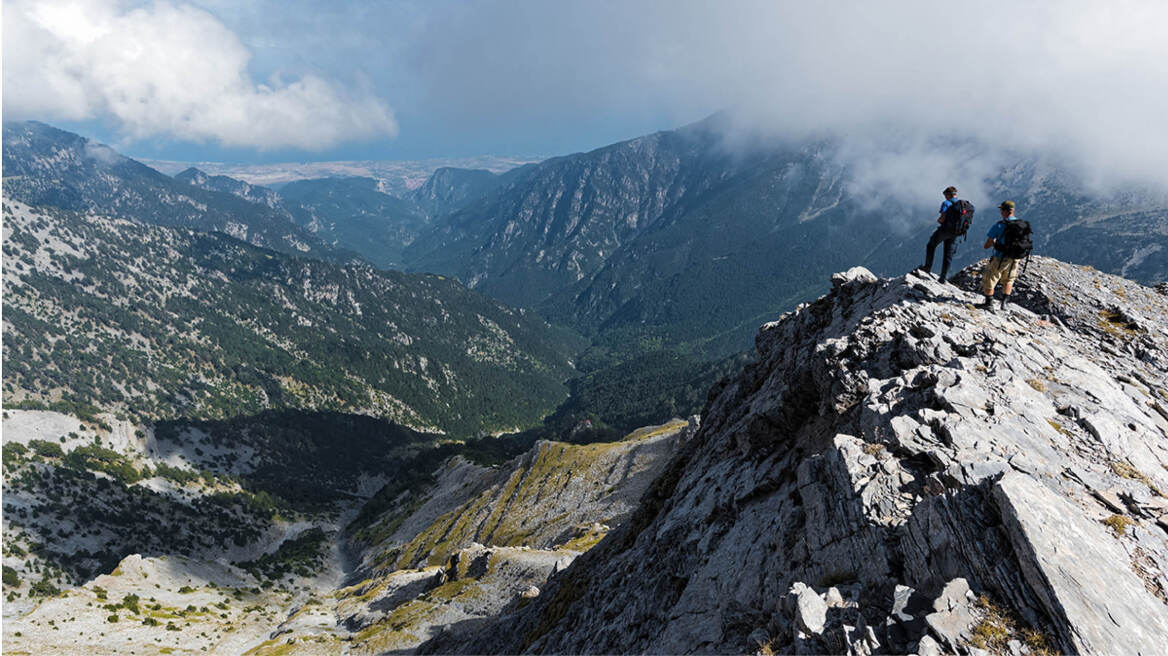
(989, 278)
(947, 257)
(931, 248)
(1009, 275)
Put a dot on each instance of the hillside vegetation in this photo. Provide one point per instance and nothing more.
(161, 323)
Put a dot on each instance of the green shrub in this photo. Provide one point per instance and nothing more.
(46, 449)
(44, 588)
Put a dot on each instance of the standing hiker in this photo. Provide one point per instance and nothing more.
(954, 220)
(1010, 239)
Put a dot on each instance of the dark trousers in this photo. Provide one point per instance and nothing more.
(946, 235)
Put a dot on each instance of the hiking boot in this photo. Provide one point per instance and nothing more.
(1005, 299)
(987, 304)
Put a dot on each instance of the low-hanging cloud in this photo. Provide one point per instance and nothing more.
(169, 71)
(1077, 78)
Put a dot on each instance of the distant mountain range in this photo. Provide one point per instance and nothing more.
(335, 218)
(677, 239)
(396, 177)
(51, 167)
(672, 240)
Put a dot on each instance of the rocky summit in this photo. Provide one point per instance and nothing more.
(899, 472)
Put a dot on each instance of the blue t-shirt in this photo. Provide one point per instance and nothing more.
(996, 231)
(946, 203)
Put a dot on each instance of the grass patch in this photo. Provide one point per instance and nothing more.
(455, 591)
(1059, 427)
(998, 626)
(1125, 470)
(647, 432)
(585, 541)
(1117, 324)
(1118, 524)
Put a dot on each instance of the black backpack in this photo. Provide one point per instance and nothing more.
(1015, 240)
(959, 216)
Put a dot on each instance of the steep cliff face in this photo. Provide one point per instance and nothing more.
(689, 238)
(548, 226)
(900, 472)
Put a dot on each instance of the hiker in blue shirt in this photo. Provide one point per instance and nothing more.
(1010, 239)
(945, 233)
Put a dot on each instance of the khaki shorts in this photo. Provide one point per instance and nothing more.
(997, 268)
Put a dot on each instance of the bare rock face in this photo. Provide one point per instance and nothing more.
(900, 471)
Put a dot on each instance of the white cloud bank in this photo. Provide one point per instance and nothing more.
(1082, 77)
(171, 71)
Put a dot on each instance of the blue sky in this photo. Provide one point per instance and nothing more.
(416, 67)
(296, 80)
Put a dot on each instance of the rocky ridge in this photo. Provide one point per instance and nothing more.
(900, 472)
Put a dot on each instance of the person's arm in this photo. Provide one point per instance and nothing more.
(995, 231)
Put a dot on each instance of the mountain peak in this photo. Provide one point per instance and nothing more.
(193, 176)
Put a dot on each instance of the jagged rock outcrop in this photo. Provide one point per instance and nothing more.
(900, 471)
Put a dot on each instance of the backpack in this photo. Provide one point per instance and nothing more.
(959, 216)
(1015, 240)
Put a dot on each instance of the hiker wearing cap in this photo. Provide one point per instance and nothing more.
(1010, 239)
(953, 221)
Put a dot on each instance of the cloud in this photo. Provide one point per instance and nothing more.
(1076, 77)
(171, 71)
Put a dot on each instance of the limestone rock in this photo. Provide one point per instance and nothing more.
(810, 610)
(857, 275)
(928, 647)
(895, 440)
(1080, 572)
(952, 619)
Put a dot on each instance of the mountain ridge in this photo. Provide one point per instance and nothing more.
(896, 457)
(47, 166)
(682, 238)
